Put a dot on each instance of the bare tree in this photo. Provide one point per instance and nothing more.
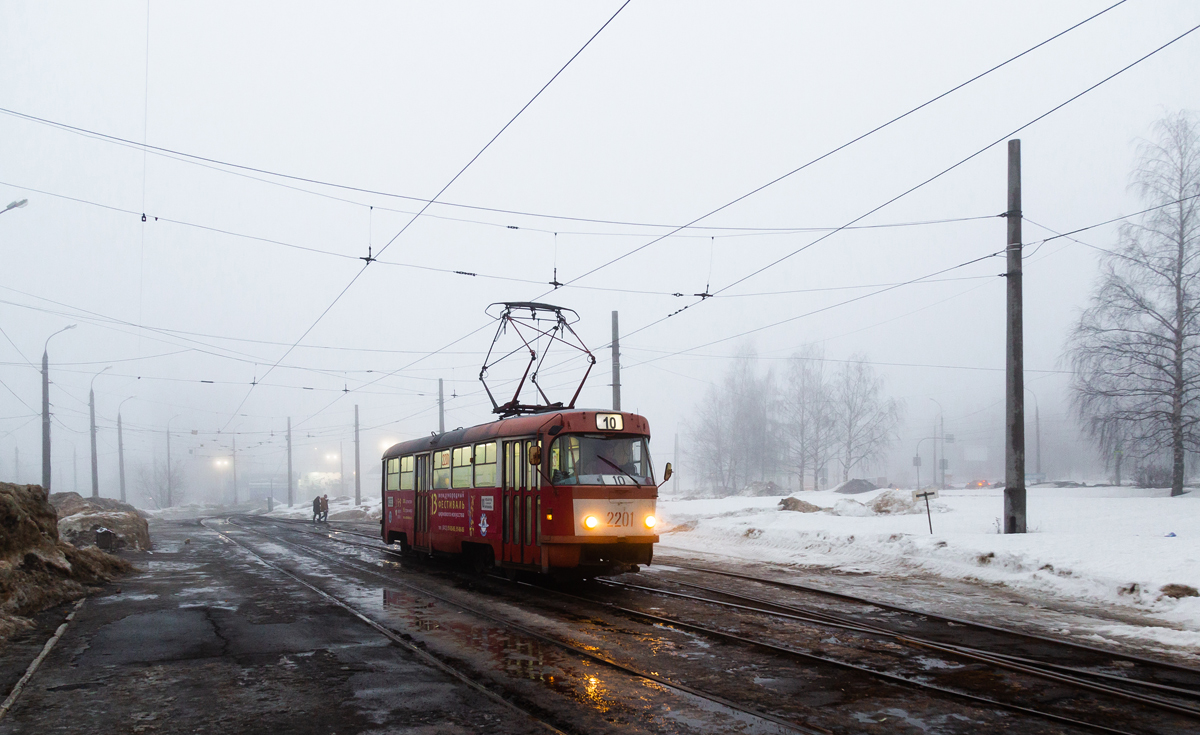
(807, 414)
(865, 419)
(152, 482)
(1136, 348)
(734, 430)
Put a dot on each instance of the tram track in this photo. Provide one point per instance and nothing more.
(998, 661)
(524, 630)
(1061, 674)
(973, 624)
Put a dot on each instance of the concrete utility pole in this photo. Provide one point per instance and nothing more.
(1037, 433)
(289, 443)
(1014, 429)
(616, 363)
(121, 454)
(675, 467)
(75, 468)
(357, 468)
(441, 409)
(92, 418)
(341, 469)
(235, 469)
(46, 409)
(169, 493)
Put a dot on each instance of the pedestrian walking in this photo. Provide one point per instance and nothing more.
(325, 508)
(316, 509)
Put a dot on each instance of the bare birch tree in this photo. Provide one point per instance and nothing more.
(865, 419)
(151, 480)
(807, 414)
(1136, 348)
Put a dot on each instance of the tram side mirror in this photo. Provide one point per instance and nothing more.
(668, 472)
(535, 455)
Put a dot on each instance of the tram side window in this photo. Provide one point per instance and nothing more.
(441, 470)
(485, 465)
(406, 472)
(393, 474)
(462, 467)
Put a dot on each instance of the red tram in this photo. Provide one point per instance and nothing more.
(561, 490)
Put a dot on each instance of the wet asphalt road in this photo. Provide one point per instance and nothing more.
(208, 640)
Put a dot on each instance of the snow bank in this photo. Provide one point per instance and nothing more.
(1107, 545)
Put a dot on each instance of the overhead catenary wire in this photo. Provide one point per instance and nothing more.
(456, 176)
(847, 144)
(925, 182)
(806, 165)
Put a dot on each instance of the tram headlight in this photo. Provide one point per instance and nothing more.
(590, 522)
(650, 521)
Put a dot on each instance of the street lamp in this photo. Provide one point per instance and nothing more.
(917, 460)
(121, 448)
(15, 205)
(939, 429)
(46, 408)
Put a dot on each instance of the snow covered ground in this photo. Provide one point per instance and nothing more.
(340, 509)
(1109, 545)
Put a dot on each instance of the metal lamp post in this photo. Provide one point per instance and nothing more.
(917, 461)
(46, 408)
(92, 418)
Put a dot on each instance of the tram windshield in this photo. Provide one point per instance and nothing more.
(598, 459)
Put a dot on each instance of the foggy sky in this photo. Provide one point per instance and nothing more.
(674, 110)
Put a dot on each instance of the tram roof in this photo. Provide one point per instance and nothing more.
(571, 420)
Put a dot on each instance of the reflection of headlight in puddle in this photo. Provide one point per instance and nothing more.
(651, 521)
(591, 522)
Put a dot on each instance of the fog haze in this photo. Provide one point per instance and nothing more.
(672, 111)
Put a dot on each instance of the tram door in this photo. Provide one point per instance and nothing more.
(522, 541)
(514, 484)
(421, 512)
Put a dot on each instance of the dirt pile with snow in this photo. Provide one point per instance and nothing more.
(797, 504)
(854, 487)
(79, 518)
(37, 568)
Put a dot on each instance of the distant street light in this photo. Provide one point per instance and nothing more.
(15, 205)
(46, 407)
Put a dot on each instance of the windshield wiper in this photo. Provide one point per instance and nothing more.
(617, 467)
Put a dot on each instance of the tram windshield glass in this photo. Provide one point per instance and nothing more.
(599, 459)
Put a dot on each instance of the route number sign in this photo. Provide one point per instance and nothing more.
(610, 422)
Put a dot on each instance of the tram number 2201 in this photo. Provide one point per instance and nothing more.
(620, 519)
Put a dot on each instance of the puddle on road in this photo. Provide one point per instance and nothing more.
(494, 648)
